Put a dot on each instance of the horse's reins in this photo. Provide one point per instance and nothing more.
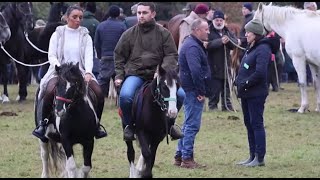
(15, 60)
(226, 73)
(34, 46)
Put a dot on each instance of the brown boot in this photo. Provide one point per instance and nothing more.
(191, 164)
(177, 161)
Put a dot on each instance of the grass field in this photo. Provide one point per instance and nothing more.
(293, 142)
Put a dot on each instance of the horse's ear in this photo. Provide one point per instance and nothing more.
(77, 65)
(260, 6)
(270, 4)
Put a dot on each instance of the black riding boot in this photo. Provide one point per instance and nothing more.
(128, 133)
(174, 130)
(100, 132)
(42, 114)
(40, 130)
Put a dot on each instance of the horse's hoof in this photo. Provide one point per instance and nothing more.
(302, 110)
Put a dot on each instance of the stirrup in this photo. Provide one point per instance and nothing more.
(100, 134)
(42, 123)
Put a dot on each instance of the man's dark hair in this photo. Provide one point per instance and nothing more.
(150, 4)
(91, 6)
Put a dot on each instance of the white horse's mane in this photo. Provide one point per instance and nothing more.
(282, 13)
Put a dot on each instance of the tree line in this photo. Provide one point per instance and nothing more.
(165, 10)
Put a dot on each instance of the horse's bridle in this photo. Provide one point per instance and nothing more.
(159, 99)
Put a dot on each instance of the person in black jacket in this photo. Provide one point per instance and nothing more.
(248, 16)
(252, 88)
(219, 46)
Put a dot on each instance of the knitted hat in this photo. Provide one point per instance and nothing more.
(218, 14)
(114, 11)
(255, 26)
(248, 6)
(201, 9)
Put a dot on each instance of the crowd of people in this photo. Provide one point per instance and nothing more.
(128, 50)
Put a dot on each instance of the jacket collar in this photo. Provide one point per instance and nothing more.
(198, 42)
(148, 26)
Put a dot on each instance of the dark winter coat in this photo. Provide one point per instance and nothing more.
(216, 52)
(193, 66)
(252, 77)
(142, 48)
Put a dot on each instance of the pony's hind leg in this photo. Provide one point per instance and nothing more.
(87, 154)
(300, 65)
(44, 148)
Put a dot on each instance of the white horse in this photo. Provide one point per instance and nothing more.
(301, 31)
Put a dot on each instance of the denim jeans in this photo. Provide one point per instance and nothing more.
(127, 92)
(253, 109)
(191, 125)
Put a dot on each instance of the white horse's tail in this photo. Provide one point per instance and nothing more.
(57, 159)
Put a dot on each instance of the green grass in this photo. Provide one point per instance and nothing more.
(293, 142)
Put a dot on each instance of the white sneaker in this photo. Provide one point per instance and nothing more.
(5, 99)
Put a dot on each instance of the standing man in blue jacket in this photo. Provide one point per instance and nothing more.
(107, 36)
(193, 70)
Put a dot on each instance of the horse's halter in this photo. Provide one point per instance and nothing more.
(159, 99)
(67, 101)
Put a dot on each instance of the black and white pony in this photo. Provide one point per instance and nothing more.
(75, 123)
(19, 17)
(156, 102)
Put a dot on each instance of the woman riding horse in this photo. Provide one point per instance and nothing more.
(62, 50)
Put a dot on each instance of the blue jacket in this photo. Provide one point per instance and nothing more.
(107, 36)
(193, 66)
(252, 76)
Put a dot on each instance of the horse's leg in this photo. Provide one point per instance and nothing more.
(300, 65)
(44, 157)
(71, 166)
(87, 154)
(22, 76)
(131, 156)
(315, 71)
(144, 168)
(5, 96)
(153, 147)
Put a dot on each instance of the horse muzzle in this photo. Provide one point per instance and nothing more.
(172, 113)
